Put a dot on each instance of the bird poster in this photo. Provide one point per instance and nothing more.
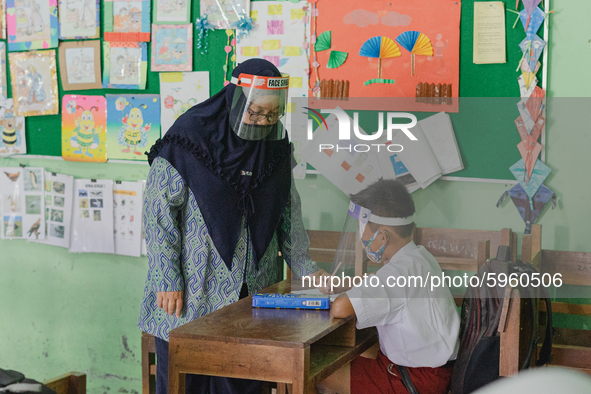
(127, 213)
(84, 128)
(133, 125)
(23, 204)
(12, 129)
(58, 209)
(179, 92)
(92, 218)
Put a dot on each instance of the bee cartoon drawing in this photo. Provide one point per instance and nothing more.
(85, 136)
(133, 132)
(11, 131)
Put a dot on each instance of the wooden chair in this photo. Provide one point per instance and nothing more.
(570, 348)
(148, 363)
(69, 383)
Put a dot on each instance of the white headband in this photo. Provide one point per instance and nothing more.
(391, 221)
(364, 215)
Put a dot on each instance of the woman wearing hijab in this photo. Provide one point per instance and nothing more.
(219, 206)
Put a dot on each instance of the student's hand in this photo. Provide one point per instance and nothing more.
(171, 302)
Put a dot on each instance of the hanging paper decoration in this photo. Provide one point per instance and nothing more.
(530, 5)
(532, 50)
(336, 59)
(532, 22)
(323, 41)
(314, 86)
(417, 44)
(203, 27)
(529, 211)
(381, 48)
(230, 47)
(243, 25)
(538, 176)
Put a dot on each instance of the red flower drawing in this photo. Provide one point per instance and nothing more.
(169, 102)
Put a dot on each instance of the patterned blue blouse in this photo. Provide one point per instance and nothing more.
(182, 256)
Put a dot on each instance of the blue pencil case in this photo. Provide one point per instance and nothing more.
(290, 301)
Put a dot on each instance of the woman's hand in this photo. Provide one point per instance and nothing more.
(171, 302)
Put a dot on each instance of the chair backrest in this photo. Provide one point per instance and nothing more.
(69, 383)
(571, 347)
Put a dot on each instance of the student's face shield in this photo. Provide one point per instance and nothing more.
(258, 107)
(351, 250)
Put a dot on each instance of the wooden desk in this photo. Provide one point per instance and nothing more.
(298, 347)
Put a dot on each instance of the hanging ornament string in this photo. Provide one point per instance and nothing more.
(306, 44)
(243, 26)
(230, 47)
(203, 26)
(314, 86)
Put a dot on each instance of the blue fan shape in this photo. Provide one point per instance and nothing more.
(371, 47)
(408, 39)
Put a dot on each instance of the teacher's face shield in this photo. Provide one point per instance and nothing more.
(258, 107)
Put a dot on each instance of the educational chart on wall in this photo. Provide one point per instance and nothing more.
(84, 128)
(127, 212)
(279, 36)
(393, 48)
(133, 122)
(179, 92)
(22, 204)
(92, 218)
(13, 131)
(351, 171)
(58, 209)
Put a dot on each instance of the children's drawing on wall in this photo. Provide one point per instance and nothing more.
(179, 92)
(79, 19)
(32, 20)
(80, 65)
(172, 48)
(34, 82)
(133, 122)
(171, 11)
(223, 13)
(84, 125)
(125, 64)
(3, 84)
(127, 16)
(13, 130)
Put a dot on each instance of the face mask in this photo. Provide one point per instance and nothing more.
(374, 256)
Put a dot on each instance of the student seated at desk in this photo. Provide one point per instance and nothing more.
(417, 327)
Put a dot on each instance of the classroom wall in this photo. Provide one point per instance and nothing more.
(63, 312)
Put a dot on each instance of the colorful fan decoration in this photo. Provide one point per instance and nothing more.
(323, 41)
(336, 59)
(381, 48)
(417, 44)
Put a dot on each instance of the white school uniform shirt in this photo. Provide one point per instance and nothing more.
(417, 326)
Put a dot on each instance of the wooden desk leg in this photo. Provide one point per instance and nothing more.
(281, 388)
(176, 380)
(301, 371)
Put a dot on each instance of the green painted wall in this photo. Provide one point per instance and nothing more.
(61, 312)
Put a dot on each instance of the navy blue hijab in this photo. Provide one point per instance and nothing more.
(216, 164)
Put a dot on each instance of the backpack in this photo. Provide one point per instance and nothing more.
(477, 362)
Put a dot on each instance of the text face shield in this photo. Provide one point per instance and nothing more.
(258, 107)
